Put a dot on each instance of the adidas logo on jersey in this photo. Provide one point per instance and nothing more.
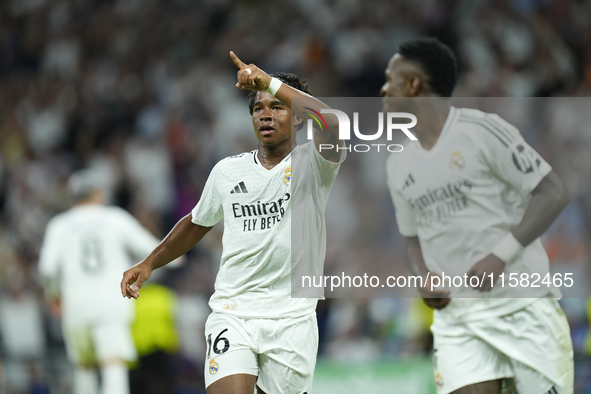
(409, 181)
(239, 188)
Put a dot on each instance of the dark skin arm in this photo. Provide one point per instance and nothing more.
(260, 81)
(437, 299)
(182, 238)
(548, 199)
(55, 306)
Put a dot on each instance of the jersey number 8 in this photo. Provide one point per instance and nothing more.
(92, 255)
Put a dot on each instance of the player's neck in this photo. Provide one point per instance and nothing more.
(431, 119)
(94, 199)
(270, 156)
(87, 204)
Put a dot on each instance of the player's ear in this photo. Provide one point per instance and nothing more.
(414, 85)
(296, 121)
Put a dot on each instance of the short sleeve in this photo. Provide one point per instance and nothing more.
(405, 216)
(325, 170)
(510, 158)
(209, 209)
(49, 258)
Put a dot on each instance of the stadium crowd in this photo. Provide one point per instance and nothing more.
(143, 92)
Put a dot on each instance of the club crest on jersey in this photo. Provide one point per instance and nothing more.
(457, 161)
(214, 367)
(287, 176)
(438, 380)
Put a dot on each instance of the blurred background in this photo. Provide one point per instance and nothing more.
(142, 91)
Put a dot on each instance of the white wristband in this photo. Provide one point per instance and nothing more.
(274, 86)
(508, 248)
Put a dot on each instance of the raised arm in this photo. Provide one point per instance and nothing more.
(182, 238)
(253, 78)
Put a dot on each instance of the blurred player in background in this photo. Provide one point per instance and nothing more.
(257, 334)
(460, 195)
(84, 251)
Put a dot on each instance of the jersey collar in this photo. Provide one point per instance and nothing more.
(258, 163)
(451, 118)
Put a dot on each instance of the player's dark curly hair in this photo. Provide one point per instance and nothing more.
(436, 60)
(293, 80)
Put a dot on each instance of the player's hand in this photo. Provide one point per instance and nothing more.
(55, 306)
(250, 76)
(436, 298)
(491, 264)
(137, 275)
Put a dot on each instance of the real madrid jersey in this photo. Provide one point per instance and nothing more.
(462, 197)
(254, 279)
(86, 249)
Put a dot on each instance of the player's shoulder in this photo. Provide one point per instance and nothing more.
(115, 211)
(308, 146)
(235, 161)
(59, 219)
(63, 220)
(472, 120)
(470, 114)
(305, 150)
(475, 120)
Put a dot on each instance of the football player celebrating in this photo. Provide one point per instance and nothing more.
(461, 198)
(257, 334)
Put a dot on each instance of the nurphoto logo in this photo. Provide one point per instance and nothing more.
(345, 129)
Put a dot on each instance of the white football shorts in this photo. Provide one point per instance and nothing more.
(281, 352)
(531, 349)
(91, 344)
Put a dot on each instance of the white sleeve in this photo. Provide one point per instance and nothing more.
(405, 216)
(209, 209)
(138, 240)
(325, 171)
(510, 158)
(50, 258)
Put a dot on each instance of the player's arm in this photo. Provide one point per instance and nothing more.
(437, 299)
(548, 199)
(407, 225)
(414, 256)
(182, 238)
(253, 78)
(49, 266)
(514, 162)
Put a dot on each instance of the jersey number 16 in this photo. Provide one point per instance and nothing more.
(216, 345)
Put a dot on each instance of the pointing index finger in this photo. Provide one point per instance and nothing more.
(237, 61)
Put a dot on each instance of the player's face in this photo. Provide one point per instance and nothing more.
(395, 81)
(396, 85)
(271, 120)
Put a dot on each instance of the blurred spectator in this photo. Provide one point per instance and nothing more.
(21, 330)
(156, 339)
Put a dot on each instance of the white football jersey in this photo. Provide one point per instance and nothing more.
(462, 197)
(254, 279)
(87, 249)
